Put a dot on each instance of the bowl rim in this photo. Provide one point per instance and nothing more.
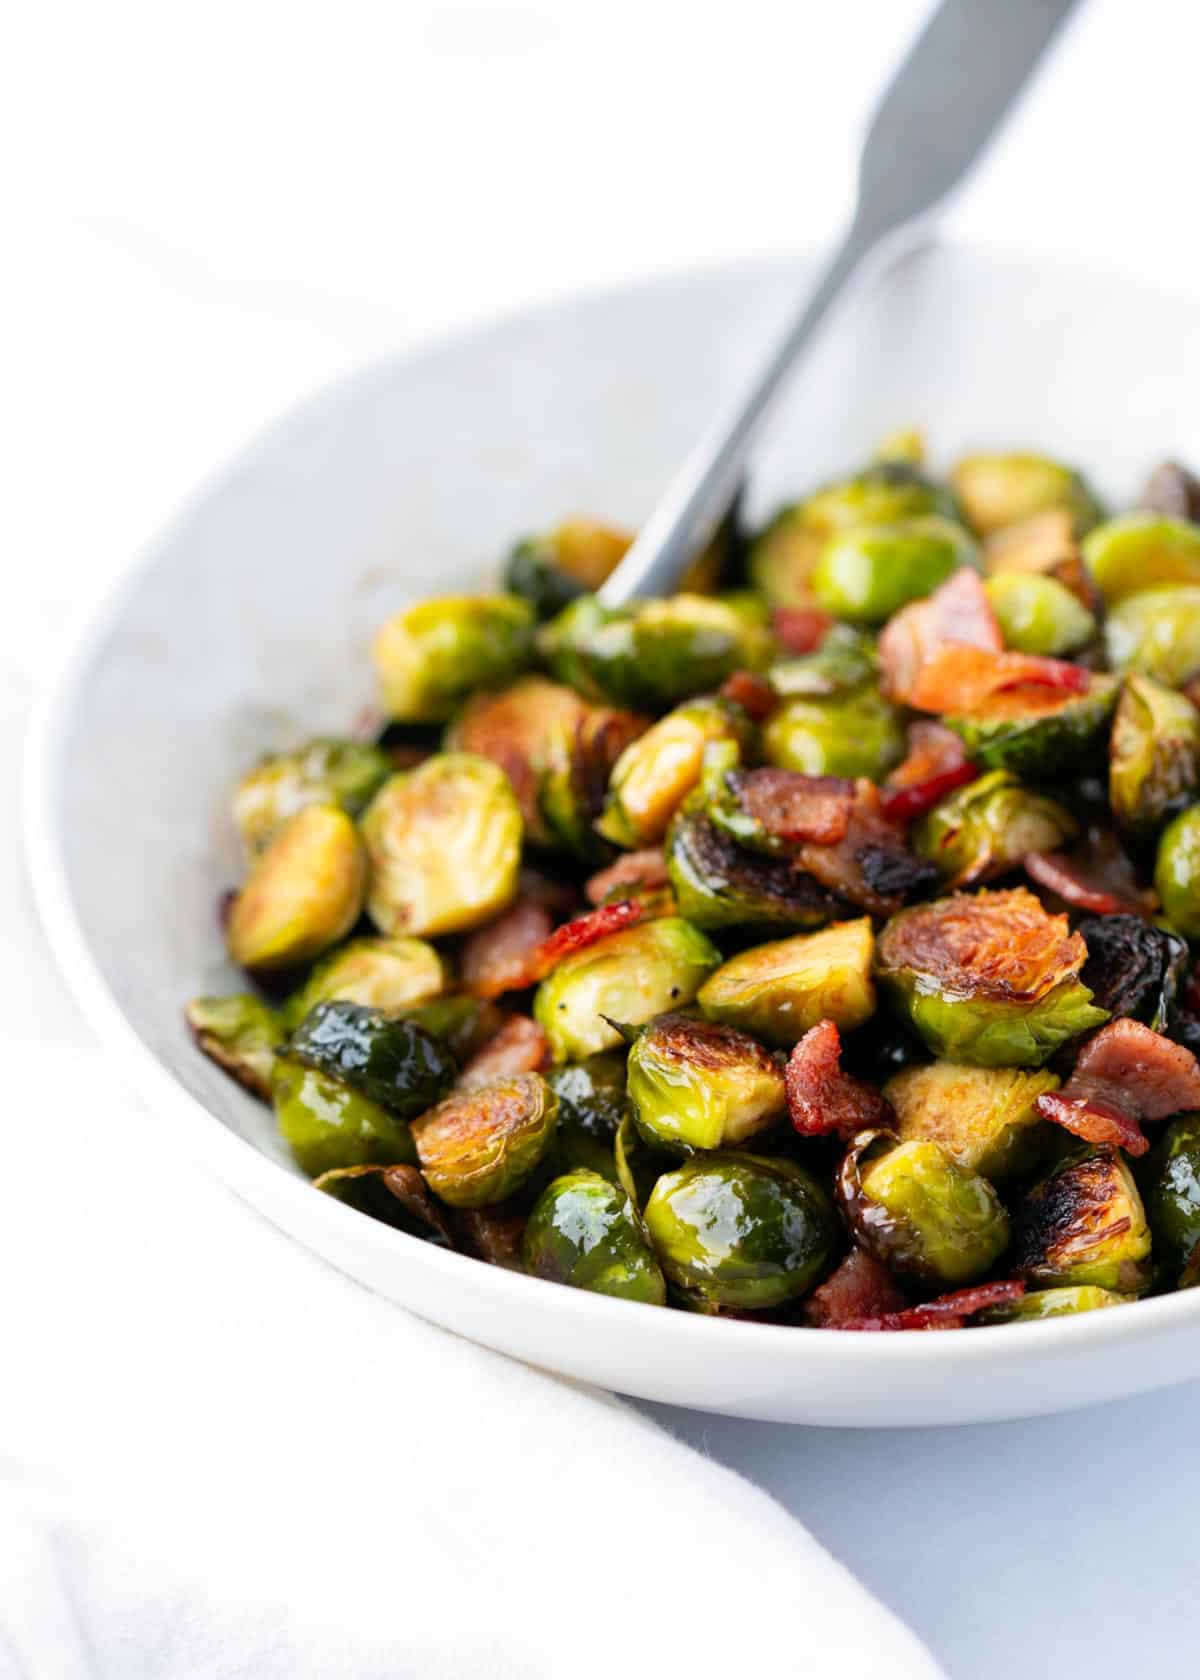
(264, 1183)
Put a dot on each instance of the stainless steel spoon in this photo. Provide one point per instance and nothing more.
(942, 107)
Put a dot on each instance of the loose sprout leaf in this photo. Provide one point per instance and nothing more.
(395, 1195)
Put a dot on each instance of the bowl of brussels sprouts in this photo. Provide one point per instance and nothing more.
(709, 997)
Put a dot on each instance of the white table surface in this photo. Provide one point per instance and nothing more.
(218, 208)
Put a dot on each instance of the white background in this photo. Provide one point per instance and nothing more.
(214, 208)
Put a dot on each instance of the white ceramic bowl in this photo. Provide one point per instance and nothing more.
(246, 627)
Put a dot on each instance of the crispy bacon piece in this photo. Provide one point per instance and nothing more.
(793, 807)
(1125, 1073)
(585, 930)
(1094, 1119)
(936, 764)
(870, 866)
(947, 1312)
(861, 1287)
(632, 869)
(518, 963)
(822, 1100)
(905, 805)
(963, 679)
(751, 692)
(519, 1047)
(801, 629)
(958, 613)
(1067, 878)
(495, 959)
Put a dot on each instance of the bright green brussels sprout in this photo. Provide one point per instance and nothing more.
(778, 991)
(592, 1102)
(1157, 632)
(241, 1034)
(1002, 489)
(388, 974)
(699, 1085)
(983, 1117)
(989, 978)
(845, 660)
(322, 772)
(444, 842)
(584, 1232)
(655, 773)
(1084, 1224)
(394, 1195)
(629, 976)
(868, 572)
(1037, 738)
(1177, 872)
(1038, 614)
(575, 558)
(915, 1209)
(326, 1124)
(1052, 1303)
(1173, 1195)
(304, 893)
(1139, 551)
(741, 1231)
(480, 1145)
(987, 827)
(392, 1061)
(429, 657)
(858, 734)
(1154, 754)
(906, 443)
(718, 883)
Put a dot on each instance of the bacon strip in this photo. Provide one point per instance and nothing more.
(870, 866)
(958, 613)
(496, 958)
(861, 1287)
(962, 679)
(801, 629)
(1062, 875)
(936, 764)
(585, 930)
(824, 1101)
(519, 1047)
(631, 869)
(1094, 1119)
(1125, 1074)
(947, 1312)
(751, 692)
(794, 807)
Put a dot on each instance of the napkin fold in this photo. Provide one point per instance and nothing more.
(220, 1458)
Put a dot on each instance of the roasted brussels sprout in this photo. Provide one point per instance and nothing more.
(575, 558)
(392, 1061)
(1084, 1224)
(629, 976)
(429, 657)
(1053, 1303)
(857, 734)
(984, 1118)
(444, 842)
(988, 978)
(1177, 872)
(1002, 489)
(592, 1103)
(655, 773)
(778, 991)
(1154, 754)
(1173, 1195)
(584, 1232)
(326, 1124)
(1157, 632)
(741, 1231)
(986, 828)
(699, 1085)
(388, 974)
(322, 772)
(304, 893)
(718, 883)
(1133, 968)
(846, 660)
(480, 1145)
(868, 572)
(1034, 734)
(1139, 551)
(241, 1034)
(915, 1208)
(1039, 614)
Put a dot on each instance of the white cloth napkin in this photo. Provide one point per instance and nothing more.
(220, 1458)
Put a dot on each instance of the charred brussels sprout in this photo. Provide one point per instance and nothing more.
(655, 773)
(1157, 632)
(996, 490)
(444, 842)
(1053, 1303)
(1037, 735)
(719, 884)
(1177, 872)
(387, 974)
(857, 734)
(868, 572)
(326, 1124)
(429, 657)
(990, 978)
(322, 772)
(913, 1207)
(584, 1232)
(305, 892)
(987, 827)
(574, 559)
(698, 1085)
(1154, 754)
(740, 1231)
(1039, 614)
(393, 1062)
(778, 991)
(241, 1034)
(984, 1118)
(1173, 1196)
(1133, 968)
(1084, 1224)
(480, 1145)
(629, 976)
(1142, 551)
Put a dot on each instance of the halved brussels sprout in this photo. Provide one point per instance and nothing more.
(984, 1118)
(1002, 489)
(741, 1231)
(575, 558)
(655, 773)
(304, 893)
(846, 660)
(629, 976)
(718, 883)
(429, 657)
(392, 1061)
(1177, 872)
(394, 1195)
(321, 772)
(868, 572)
(778, 991)
(326, 1124)
(444, 842)
(1038, 614)
(987, 827)
(1084, 1224)
(1139, 551)
(857, 734)
(699, 1085)
(1037, 736)
(915, 1208)
(241, 1034)
(1173, 1195)
(1053, 1303)
(583, 1232)
(989, 978)
(387, 974)
(1133, 968)
(1157, 632)
(480, 1145)
(1154, 754)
